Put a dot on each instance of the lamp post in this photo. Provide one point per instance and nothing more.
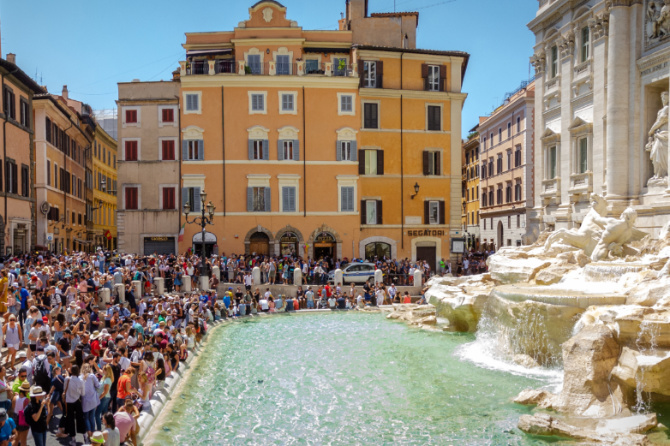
(203, 221)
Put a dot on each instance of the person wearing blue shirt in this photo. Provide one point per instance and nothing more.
(7, 428)
(24, 294)
(226, 297)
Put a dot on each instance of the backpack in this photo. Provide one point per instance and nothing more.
(41, 372)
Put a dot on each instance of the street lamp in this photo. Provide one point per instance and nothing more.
(204, 220)
(416, 190)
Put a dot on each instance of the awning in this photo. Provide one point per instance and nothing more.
(345, 50)
(209, 238)
(219, 51)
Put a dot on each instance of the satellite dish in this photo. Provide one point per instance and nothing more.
(45, 207)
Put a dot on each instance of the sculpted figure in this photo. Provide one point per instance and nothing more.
(617, 233)
(588, 234)
(658, 140)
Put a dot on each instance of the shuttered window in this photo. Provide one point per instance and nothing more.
(434, 118)
(168, 198)
(167, 150)
(192, 102)
(258, 149)
(131, 116)
(257, 102)
(167, 115)
(131, 150)
(371, 212)
(258, 199)
(132, 198)
(431, 163)
(288, 199)
(191, 195)
(371, 115)
(347, 199)
(433, 212)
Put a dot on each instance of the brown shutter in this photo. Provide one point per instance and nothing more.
(443, 78)
(424, 75)
(380, 162)
(361, 162)
(426, 212)
(442, 219)
(363, 212)
(380, 213)
(361, 73)
(380, 74)
(438, 163)
(426, 162)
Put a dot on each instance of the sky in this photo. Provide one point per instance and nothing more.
(91, 45)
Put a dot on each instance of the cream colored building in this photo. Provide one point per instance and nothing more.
(601, 67)
(148, 167)
(506, 152)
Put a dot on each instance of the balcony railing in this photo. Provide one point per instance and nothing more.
(270, 68)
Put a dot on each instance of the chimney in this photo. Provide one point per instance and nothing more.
(11, 58)
(65, 92)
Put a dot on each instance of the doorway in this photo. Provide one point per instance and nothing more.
(259, 244)
(324, 246)
(427, 253)
(501, 235)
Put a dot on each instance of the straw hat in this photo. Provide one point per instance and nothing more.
(97, 438)
(36, 391)
(24, 387)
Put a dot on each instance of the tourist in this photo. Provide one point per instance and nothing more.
(73, 421)
(111, 433)
(21, 401)
(126, 421)
(90, 400)
(13, 338)
(35, 415)
(7, 428)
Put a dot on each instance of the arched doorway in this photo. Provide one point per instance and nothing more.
(288, 244)
(210, 242)
(379, 250)
(259, 244)
(324, 245)
(501, 240)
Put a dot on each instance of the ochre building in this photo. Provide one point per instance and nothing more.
(314, 143)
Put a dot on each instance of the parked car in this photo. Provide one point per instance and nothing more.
(355, 272)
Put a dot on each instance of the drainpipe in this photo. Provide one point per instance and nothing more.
(402, 169)
(304, 158)
(223, 149)
(61, 181)
(4, 141)
(180, 152)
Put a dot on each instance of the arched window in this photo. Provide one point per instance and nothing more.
(379, 250)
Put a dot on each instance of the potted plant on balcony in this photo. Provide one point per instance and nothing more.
(247, 69)
(341, 65)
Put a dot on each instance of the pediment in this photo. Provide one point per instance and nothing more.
(267, 14)
(579, 123)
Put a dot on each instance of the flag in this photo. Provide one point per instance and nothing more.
(108, 235)
(181, 233)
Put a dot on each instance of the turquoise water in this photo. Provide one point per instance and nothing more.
(341, 379)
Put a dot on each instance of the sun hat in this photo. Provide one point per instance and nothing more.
(24, 387)
(97, 438)
(95, 335)
(21, 354)
(36, 391)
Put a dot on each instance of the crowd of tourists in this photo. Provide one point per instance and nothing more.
(80, 360)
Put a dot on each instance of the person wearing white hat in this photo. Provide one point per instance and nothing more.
(36, 415)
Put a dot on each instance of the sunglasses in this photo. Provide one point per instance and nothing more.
(22, 376)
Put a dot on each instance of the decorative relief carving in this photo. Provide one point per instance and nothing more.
(656, 22)
(566, 45)
(600, 25)
(267, 14)
(539, 62)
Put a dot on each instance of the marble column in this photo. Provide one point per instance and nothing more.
(618, 86)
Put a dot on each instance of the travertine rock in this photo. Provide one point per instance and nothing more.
(552, 274)
(532, 397)
(650, 370)
(506, 269)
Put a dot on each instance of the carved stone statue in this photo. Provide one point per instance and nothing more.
(588, 234)
(658, 140)
(658, 16)
(617, 233)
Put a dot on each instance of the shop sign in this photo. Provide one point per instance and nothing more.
(161, 239)
(427, 233)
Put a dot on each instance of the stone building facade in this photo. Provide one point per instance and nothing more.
(470, 190)
(148, 167)
(601, 69)
(312, 142)
(506, 181)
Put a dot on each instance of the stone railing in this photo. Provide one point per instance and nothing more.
(271, 68)
(551, 188)
(581, 183)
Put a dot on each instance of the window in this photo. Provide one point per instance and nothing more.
(431, 163)
(371, 162)
(25, 181)
(286, 150)
(347, 199)
(167, 149)
(484, 170)
(131, 150)
(258, 199)
(288, 199)
(370, 115)
(434, 212)
(433, 78)
(509, 226)
(499, 193)
(132, 198)
(517, 156)
(346, 103)
(490, 167)
(258, 149)
(586, 37)
(518, 221)
(370, 74)
(48, 173)
(256, 103)
(554, 62)
(508, 193)
(346, 151)
(167, 115)
(551, 168)
(509, 130)
(484, 143)
(434, 118)
(283, 65)
(194, 150)
(518, 124)
(9, 105)
(499, 136)
(191, 195)
(484, 225)
(500, 163)
(24, 113)
(131, 116)
(583, 155)
(491, 202)
(169, 198)
(509, 160)
(287, 102)
(373, 212)
(339, 66)
(311, 66)
(517, 191)
(192, 102)
(254, 63)
(56, 175)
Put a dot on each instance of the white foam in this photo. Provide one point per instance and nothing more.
(478, 353)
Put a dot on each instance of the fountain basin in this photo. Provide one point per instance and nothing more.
(557, 296)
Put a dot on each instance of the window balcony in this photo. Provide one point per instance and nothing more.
(268, 68)
(581, 183)
(551, 189)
